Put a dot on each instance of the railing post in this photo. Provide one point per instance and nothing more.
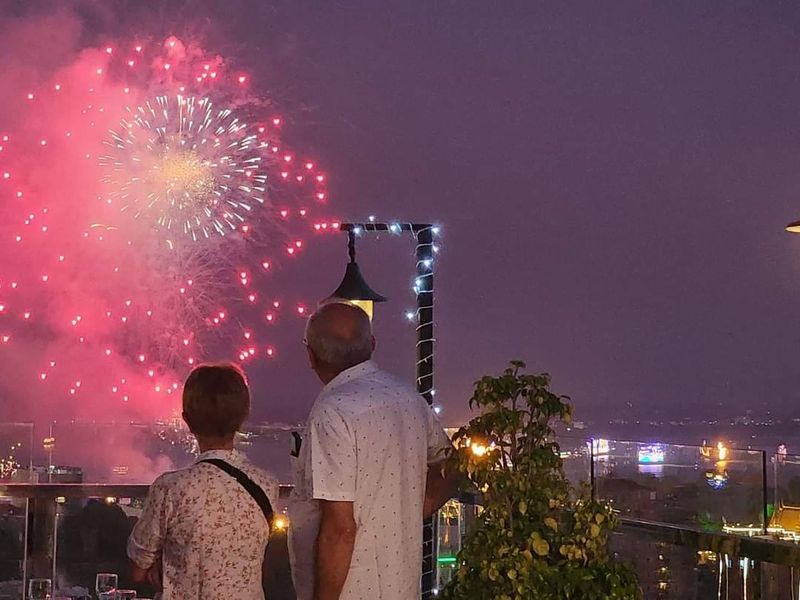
(757, 578)
(591, 470)
(41, 541)
(765, 509)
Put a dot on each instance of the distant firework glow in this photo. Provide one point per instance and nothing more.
(146, 193)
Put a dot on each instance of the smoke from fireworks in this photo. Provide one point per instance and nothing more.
(143, 190)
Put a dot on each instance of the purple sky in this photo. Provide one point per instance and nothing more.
(613, 184)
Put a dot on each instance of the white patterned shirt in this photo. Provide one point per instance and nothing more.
(369, 440)
(209, 530)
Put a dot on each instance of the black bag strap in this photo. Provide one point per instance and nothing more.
(248, 484)
(297, 443)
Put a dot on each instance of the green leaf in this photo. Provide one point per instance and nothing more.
(541, 547)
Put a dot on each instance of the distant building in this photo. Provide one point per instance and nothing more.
(57, 474)
(786, 518)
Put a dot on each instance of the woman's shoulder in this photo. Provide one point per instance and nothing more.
(261, 476)
(176, 477)
(197, 474)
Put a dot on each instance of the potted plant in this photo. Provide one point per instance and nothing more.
(537, 537)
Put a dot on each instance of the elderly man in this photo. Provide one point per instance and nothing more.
(370, 445)
(207, 525)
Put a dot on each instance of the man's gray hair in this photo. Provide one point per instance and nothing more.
(340, 335)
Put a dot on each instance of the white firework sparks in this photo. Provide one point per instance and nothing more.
(187, 167)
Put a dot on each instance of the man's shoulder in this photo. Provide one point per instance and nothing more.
(376, 382)
(365, 393)
(388, 386)
(387, 379)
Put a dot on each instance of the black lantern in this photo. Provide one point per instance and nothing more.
(354, 289)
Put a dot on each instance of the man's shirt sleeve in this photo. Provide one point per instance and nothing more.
(331, 458)
(147, 538)
(438, 440)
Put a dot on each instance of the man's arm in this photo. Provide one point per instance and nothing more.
(442, 484)
(443, 479)
(334, 548)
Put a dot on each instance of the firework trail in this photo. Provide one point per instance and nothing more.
(143, 191)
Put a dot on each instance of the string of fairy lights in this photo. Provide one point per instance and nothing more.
(425, 235)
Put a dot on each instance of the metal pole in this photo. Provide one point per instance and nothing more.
(424, 287)
(425, 347)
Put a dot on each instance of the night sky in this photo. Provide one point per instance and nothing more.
(612, 180)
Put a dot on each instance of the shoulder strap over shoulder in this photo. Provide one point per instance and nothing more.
(248, 484)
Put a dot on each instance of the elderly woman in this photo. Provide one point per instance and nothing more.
(204, 528)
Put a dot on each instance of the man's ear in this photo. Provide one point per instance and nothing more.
(312, 358)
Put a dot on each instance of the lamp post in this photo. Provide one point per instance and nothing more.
(354, 289)
(424, 234)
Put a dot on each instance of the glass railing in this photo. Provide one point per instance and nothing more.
(16, 451)
(713, 488)
(694, 517)
(90, 452)
(672, 562)
(75, 531)
(698, 522)
(71, 492)
(683, 564)
(16, 461)
(576, 456)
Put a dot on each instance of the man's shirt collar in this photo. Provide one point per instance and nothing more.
(360, 370)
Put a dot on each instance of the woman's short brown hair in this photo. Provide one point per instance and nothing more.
(216, 400)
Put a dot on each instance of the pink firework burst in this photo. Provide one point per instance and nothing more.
(145, 191)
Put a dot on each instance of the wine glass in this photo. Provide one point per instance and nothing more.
(40, 589)
(105, 582)
(126, 594)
